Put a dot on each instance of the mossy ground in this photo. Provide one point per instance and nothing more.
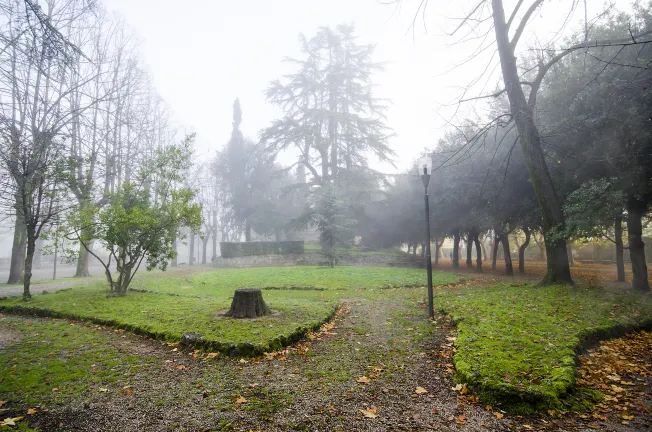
(301, 298)
(518, 344)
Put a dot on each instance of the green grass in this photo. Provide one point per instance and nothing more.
(54, 359)
(518, 345)
(302, 298)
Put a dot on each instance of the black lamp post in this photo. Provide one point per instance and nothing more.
(425, 168)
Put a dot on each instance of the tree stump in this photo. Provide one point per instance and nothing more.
(248, 303)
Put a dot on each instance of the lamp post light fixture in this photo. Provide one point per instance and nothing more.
(425, 170)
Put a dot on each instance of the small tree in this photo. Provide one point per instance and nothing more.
(142, 219)
(327, 211)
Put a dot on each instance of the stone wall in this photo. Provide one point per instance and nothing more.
(312, 259)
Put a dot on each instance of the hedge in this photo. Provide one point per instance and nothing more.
(242, 249)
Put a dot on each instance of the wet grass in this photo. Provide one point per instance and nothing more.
(301, 298)
(518, 345)
(56, 360)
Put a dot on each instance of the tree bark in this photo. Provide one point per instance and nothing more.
(635, 212)
(456, 249)
(558, 268)
(478, 253)
(214, 257)
(618, 239)
(469, 249)
(204, 249)
(521, 250)
(191, 250)
(174, 248)
(438, 246)
(82, 260)
(494, 253)
(29, 259)
(509, 268)
(17, 264)
(484, 248)
(248, 303)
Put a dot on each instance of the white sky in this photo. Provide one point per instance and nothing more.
(204, 53)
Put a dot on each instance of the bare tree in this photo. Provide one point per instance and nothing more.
(521, 85)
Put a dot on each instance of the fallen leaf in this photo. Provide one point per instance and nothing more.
(241, 400)
(420, 390)
(104, 390)
(371, 412)
(9, 421)
(460, 419)
(2, 403)
(180, 367)
(31, 411)
(363, 380)
(212, 355)
(129, 392)
(498, 415)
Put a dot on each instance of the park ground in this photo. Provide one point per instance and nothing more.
(500, 355)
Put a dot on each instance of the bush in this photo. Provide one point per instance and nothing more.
(242, 249)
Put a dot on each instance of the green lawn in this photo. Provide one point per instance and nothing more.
(301, 297)
(519, 343)
(55, 359)
(515, 344)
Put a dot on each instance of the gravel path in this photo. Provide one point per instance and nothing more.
(17, 290)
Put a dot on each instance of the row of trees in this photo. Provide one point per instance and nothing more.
(587, 114)
(84, 139)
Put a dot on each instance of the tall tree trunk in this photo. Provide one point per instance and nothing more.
(214, 237)
(494, 251)
(469, 249)
(204, 248)
(558, 268)
(509, 268)
(456, 249)
(484, 248)
(29, 259)
(521, 250)
(438, 245)
(174, 262)
(83, 257)
(17, 264)
(478, 253)
(191, 250)
(635, 211)
(618, 238)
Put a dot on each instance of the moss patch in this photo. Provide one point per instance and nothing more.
(518, 345)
